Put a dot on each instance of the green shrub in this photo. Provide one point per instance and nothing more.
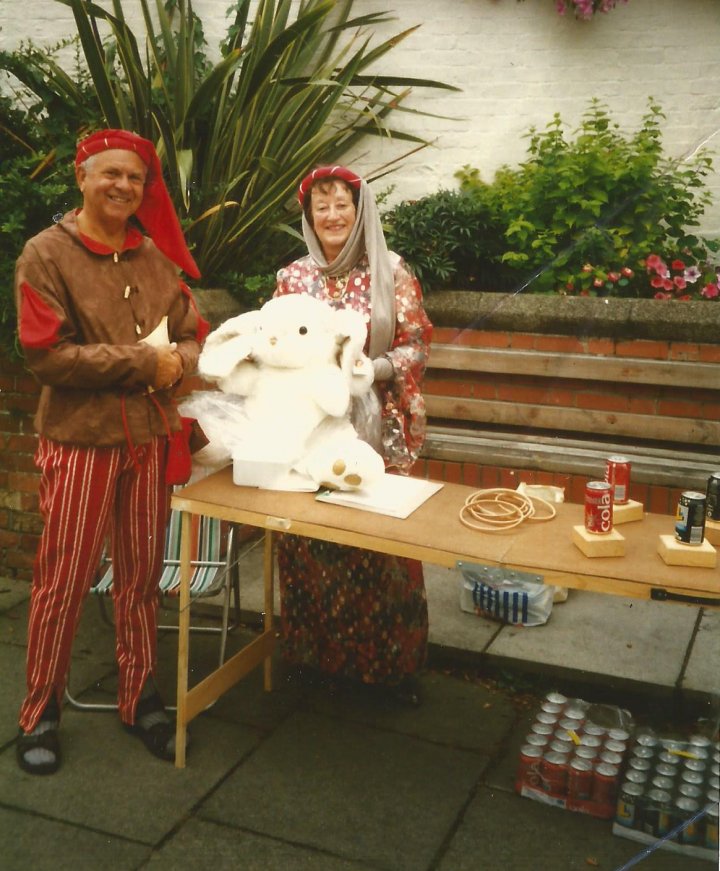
(583, 215)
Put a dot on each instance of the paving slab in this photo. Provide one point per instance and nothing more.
(324, 783)
(29, 843)
(702, 672)
(200, 845)
(12, 592)
(501, 831)
(450, 627)
(594, 636)
(110, 783)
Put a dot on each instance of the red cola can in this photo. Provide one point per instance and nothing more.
(598, 507)
(528, 771)
(554, 773)
(580, 779)
(617, 473)
(605, 783)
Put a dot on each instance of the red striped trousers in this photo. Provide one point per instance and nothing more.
(84, 494)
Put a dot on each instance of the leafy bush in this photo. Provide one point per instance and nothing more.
(583, 216)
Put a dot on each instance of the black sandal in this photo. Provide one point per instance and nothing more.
(159, 738)
(48, 741)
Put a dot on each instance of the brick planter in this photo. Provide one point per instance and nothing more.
(555, 329)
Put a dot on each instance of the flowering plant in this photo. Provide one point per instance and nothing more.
(678, 280)
(585, 9)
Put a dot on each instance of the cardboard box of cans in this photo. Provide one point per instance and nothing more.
(574, 754)
(670, 793)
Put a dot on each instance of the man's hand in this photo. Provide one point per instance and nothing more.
(169, 369)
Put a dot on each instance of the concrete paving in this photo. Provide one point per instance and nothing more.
(301, 779)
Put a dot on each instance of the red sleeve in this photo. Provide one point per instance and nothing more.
(39, 325)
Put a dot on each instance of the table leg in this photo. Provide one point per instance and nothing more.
(183, 640)
(269, 581)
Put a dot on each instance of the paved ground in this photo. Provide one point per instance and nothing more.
(299, 779)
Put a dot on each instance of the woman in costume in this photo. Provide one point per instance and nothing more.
(349, 613)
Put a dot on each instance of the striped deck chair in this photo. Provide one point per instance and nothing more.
(214, 559)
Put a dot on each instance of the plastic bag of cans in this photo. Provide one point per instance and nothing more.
(670, 791)
(573, 755)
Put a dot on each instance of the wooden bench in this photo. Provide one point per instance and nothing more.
(568, 412)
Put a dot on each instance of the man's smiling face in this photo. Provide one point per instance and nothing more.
(112, 184)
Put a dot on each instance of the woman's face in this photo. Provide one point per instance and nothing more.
(332, 214)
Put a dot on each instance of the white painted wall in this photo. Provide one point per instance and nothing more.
(517, 64)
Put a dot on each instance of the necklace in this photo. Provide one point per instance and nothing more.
(339, 285)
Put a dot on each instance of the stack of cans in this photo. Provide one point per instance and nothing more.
(570, 761)
(666, 784)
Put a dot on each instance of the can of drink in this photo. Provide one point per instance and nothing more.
(656, 818)
(605, 783)
(598, 507)
(666, 758)
(551, 707)
(574, 712)
(685, 808)
(712, 497)
(664, 783)
(580, 779)
(545, 717)
(629, 801)
(593, 741)
(699, 740)
(698, 765)
(690, 518)
(694, 777)
(611, 758)
(617, 474)
(528, 771)
(568, 723)
(713, 796)
(639, 765)
(644, 752)
(593, 729)
(633, 775)
(689, 790)
(562, 735)
(554, 773)
(619, 735)
(560, 747)
(665, 770)
(615, 746)
(711, 827)
(556, 698)
(584, 752)
(536, 740)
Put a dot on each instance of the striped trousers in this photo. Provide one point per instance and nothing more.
(84, 494)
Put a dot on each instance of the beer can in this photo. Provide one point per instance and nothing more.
(619, 735)
(657, 813)
(605, 783)
(664, 783)
(711, 827)
(542, 729)
(699, 740)
(551, 707)
(694, 777)
(689, 790)
(528, 771)
(580, 779)
(598, 507)
(642, 752)
(666, 758)
(636, 764)
(633, 775)
(554, 773)
(698, 765)
(713, 796)
(645, 739)
(712, 497)
(556, 698)
(665, 770)
(537, 740)
(545, 717)
(615, 746)
(611, 758)
(683, 812)
(584, 752)
(617, 474)
(629, 805)
(714, 783)
(690, 518)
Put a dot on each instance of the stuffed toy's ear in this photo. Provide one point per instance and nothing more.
(219, 360)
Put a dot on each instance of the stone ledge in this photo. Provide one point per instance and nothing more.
(577, 316)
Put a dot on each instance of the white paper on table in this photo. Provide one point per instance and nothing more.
(394, 495)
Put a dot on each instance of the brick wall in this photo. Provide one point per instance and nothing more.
(653, 400)
(516, 65)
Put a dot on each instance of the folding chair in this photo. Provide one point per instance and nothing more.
(215, 564)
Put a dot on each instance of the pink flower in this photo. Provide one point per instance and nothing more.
(661, 295)
(613, 276)
(710, 291)
(679, 282)
(653, 261)
(656, 281)
(667, 284)
(626, 272)
(598, 282)
(678, 265)
(691, 274)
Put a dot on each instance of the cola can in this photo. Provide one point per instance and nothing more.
(536, 740)
(580, 779)
(554, 773)
(712, 497)
(657, 813)
(572, 725)
(556, 698)
(598, 507)
(683, 812)
(629, 804)
(562, 735)
(619, 735)
(711, 827)
(584, 752)
(615, 746)
(528, 771)
(611, 758)
(545, 717)
(551, 707)
(690, 518)
(605, 783)
(560, 747)
(593, 729)
(617, 474)
(542, 729)
(593, 741)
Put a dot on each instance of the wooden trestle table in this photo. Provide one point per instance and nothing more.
(432, 533)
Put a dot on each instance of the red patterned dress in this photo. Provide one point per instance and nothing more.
(347, 611)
